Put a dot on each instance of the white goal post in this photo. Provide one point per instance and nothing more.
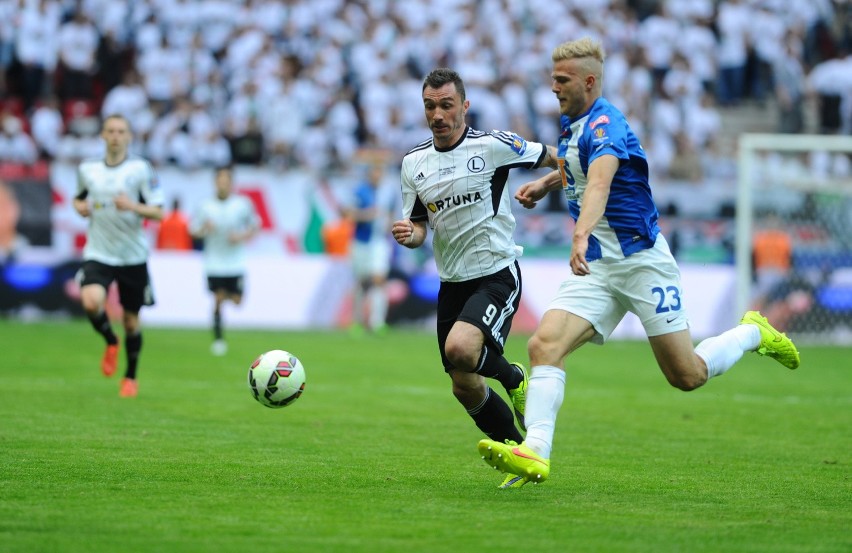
(754, 182)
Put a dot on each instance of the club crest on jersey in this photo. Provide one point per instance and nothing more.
(519, 145)
(454, 201)
(602, 120)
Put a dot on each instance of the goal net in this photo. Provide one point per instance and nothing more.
(794, 233)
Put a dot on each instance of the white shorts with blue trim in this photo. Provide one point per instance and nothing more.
(371, 258)
(646, 283)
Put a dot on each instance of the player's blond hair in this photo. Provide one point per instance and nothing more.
(586, 49)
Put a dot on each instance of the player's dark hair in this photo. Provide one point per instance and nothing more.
(441, 76)
(229, 167)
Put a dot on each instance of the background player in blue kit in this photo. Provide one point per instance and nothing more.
(619, 262)
(455, 183)
(371, 211)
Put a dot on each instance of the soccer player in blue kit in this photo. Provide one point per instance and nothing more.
(619, 262)
(372, 211)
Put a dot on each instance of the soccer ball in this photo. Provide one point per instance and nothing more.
(276, 378)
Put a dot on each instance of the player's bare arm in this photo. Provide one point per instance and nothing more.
(601, 172)
(124, 203)
(409, 233)
(551, 158)
(530, 193)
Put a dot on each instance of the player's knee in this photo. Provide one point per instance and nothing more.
(468, 392)
(90, 306)
(541, 352)
(461, 355)
(687, 381)
(131, 322)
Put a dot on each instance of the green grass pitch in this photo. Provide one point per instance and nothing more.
(377, 456)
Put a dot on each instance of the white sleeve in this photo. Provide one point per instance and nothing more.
(150, 188)
(513, 150)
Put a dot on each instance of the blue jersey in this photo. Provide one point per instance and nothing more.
(629, 223)
(380, 199)
(366, 197)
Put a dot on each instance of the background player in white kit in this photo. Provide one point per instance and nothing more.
(225, 223)
(117, 193)
(619, 262)
(455, 183)
(372, 212)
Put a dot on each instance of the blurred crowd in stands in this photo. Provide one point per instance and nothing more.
(307, 83)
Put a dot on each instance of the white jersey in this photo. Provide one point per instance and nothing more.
(115, 237)
(462, 193)
(223, 258)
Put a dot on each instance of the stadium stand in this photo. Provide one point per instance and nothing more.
(308, 83)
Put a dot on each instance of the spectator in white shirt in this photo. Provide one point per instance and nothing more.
(216, 22)
(161, 144)
(698, 44)
(163, 71)
(682, 84)
(16, 146)
(36, 48)
(213, 150)
(831, 83)
(788, 76)
(341, 126)
(149, 33)
(658, 35)
(732, 22)
(82, 142)
(78, 45)
(269, 15)
(282, 123)
(131, 102)
(47, 127)
(180, 19)
(702, 122)
(766, 34)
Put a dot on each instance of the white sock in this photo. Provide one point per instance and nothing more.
(378, 306)
(722, 351)
(544, 398)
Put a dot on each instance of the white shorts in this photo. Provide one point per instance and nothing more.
(647, 283)
(371, 258)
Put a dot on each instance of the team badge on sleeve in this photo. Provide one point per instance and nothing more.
(519, 145)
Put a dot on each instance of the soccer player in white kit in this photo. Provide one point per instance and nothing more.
(455, 183)
(225, 223)
(116, 194)
(619, 262)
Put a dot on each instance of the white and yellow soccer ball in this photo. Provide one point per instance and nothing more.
(276, 378)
